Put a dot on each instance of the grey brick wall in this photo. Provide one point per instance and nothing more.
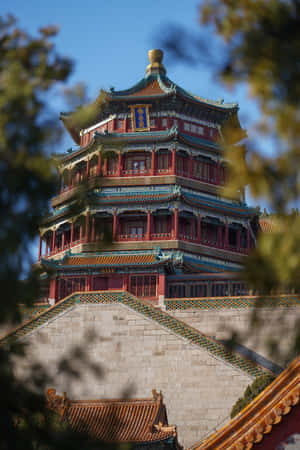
(137, 355)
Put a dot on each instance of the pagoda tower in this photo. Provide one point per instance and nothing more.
(152, 221)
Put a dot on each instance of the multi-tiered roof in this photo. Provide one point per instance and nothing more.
(151, 162)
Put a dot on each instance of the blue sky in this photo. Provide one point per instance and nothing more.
(108, 42)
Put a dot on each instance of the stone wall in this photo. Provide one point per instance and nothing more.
(256, 328)
(137, 355)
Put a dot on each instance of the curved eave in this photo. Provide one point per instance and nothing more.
(71, 129)
(143, 137)
(209, 267)
(205, 204)
(198, 142)
(168, 87)
(140, 137)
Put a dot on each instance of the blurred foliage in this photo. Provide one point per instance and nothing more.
(252, 391)
(30, 73)
(29, 70)
(262, 41)
(85, 114)
(257, 43)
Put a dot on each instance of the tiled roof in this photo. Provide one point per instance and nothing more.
(112, 260)
(133, 420)
(199, 141)
(145, 136)
(213, 204)
(167, 87)
(174, 325)
(232, 302)
(152, 88)
(254, 424)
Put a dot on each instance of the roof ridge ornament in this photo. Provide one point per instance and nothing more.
(172, 89)
(155, 67)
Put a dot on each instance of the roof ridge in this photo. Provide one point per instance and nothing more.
(173, 324)
(197, 337)
(26, 326)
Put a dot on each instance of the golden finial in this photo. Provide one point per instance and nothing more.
(155, 57)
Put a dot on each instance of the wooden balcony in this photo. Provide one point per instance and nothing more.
(161, 236)
(142, 238)
(131, 237)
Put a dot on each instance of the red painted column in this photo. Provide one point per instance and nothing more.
(119, 172)
(72, 234)
(226, 235)
(105, 167)
(148, 233)
(93, 229)
(115, 226)
(99, 164)
(89, 283)
(63, 240)
(52, 291)
(40, 247)
(153, 162)
(173, 166)
(80, 232)
(176, 223)
(125, 282)
(87, 226)
(191, 166)
(193, 230)
(161, 285)
(218, 172)
(53, 240)
(199, 228)
(87, 169)
(248, 237)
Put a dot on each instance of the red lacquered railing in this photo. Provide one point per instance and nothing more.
(131, 237)
(162, 171)
(65, 247)
(135, 172)
(182, 173)
(161, 236)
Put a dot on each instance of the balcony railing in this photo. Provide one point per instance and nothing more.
(110, 173)
(161, 236)
(182, 173)
(221, 245)
(114, 172)
(187, 237)
(163, 171)
(67, 245)
(135, 172)
(131, 237)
